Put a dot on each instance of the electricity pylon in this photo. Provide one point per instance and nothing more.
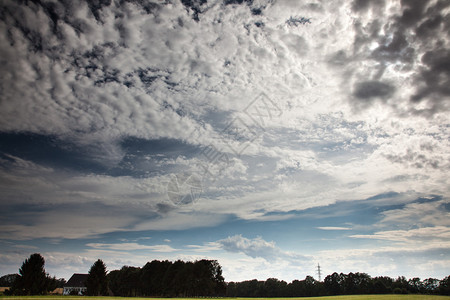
(319, 273)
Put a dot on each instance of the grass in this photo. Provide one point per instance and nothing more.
(352, 297)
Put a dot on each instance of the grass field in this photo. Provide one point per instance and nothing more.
(353, 297)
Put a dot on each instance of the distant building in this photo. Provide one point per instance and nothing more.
(57, 291)
(76, 284)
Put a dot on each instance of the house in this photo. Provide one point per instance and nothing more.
(57, 291)
(76, 284)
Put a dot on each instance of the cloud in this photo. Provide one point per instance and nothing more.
(132, 247)
(372, 89)
(207, 247)
(253, 248)
(430, 213)
(359, 5)
(67, 222)
(333, 228)
(404, 46)
(416, 159)
(258, 247)
(179, 220)
(438, 235)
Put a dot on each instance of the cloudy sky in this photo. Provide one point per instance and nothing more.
(271, 135)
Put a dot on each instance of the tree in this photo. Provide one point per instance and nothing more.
(208, 278)
(400, 285)
(219, 280)
(60, 282)
(127, 282)
(444, 286)
(311, 286)
(334, 283)
(296, 288)
(431, 285)
(382, 285)
(32, 279)
(152, 275)
(114, 282)
(275, 288)
(415, 285)
(96, 282)
(8, 280)
(180, 280)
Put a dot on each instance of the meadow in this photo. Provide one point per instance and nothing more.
(350, 297)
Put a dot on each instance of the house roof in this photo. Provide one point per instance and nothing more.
(77, 280)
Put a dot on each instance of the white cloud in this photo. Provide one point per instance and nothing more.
(73, 224)
(210, 246)
(427, 214)
(181, 221)
(416, 239)
(132, 246)
(258, 247)
(333, 228)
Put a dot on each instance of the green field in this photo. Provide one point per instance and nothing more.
(353, 297)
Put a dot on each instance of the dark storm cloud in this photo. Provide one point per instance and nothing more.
(429, 25)
(372, 89)
(436, 76)
(417, 38)
(359, 5)
(366, 92)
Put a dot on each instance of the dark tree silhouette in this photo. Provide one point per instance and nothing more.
(338, 284)
(125, 282)
(334, 283)
(444, 286)
(415, 285)
(169, 279)
(32, 279)
(96, 282)
(152, 275)
(8, 280)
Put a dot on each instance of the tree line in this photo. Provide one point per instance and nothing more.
(155, 278)
(338, 284)
(204, 278)
(169, 279)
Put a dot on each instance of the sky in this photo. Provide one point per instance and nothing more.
(270, 135)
